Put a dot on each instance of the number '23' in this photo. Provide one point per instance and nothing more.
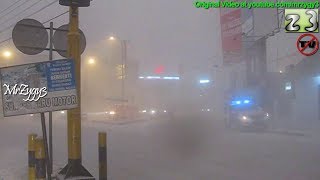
(294, 18)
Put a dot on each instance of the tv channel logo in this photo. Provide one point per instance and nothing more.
(301, 20)
(308, 44)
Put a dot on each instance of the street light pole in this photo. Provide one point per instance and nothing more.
(50, 113)
(123, 44)
(124, 68)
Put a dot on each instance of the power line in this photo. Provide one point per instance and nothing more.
(14, 9)
(12, 25)
(8, 39)
(10, 6)
(29, 7)
(55, 17)
(50, 4)
(1, 42)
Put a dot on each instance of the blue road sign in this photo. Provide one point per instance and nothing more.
(60, 75)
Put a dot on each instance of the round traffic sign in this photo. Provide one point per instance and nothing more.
(30, 36)
(308, 44)
(60, 40)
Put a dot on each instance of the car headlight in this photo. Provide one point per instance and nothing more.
(245, 119)
(267, 116)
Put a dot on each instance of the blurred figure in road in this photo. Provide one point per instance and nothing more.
(188, 131)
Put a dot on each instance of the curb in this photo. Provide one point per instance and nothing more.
(289, 132)
(115, 122)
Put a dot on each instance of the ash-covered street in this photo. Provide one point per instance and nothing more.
(144, 151)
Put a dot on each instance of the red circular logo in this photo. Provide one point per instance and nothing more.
(304, 45)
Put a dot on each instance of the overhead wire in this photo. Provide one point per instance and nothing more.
(1, 42)
(21, 12)
(8, 39)
(41, 9)
(55, 17)
(10, 6)
(14, 9)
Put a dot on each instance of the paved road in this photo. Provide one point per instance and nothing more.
(146, 151)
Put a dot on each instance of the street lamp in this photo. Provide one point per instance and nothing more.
(88, 67)
(7, 54)
(91, 61)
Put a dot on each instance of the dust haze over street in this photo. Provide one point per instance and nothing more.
(140, 151)
(181, 92)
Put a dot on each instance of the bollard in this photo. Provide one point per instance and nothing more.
(31, 156)
(102, 156)
(40, 160)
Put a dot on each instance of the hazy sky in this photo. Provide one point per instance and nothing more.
(158, 31)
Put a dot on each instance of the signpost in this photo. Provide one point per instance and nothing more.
(21, 36)
(231, 35)
(31, 38)
(60, 40)
(39, 87)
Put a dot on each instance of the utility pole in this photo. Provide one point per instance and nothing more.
(74, 116)
(50, 113)
(124, 68)
(74, 167)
